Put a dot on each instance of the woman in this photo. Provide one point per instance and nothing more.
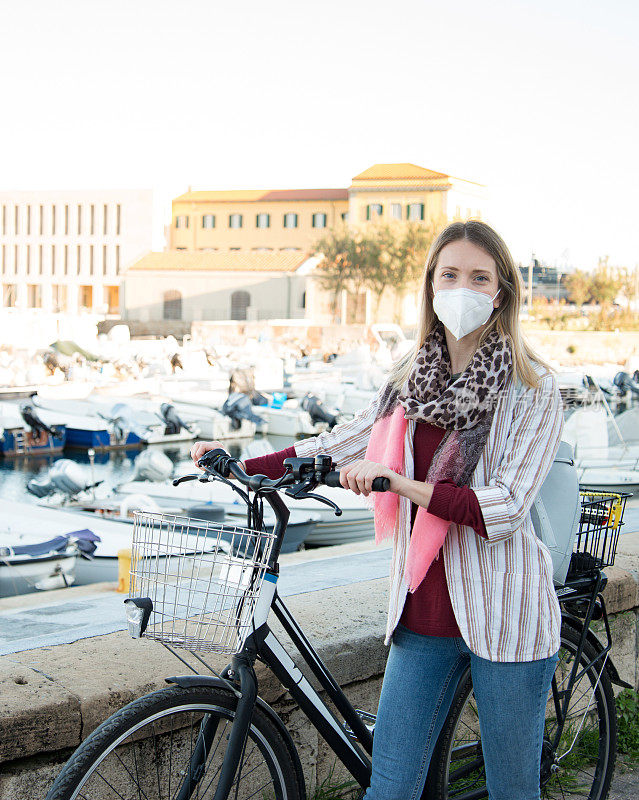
(466, 429)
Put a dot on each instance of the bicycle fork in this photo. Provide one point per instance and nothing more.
(243, 670)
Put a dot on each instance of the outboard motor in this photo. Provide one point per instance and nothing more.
(31, 418)
(69, 478)
(173, 423)
(41, 487)
(152, 465)
(318, 413)
(237, 406)
(122, 421)
(625, 383)
(65, 476)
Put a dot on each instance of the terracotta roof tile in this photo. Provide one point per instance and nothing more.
(220, 262)
(262, 195)
(398, 172)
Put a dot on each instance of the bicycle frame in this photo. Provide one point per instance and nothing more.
(352, 740)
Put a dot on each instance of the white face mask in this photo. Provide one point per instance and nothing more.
(463, 310)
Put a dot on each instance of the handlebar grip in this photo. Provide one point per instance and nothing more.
(379, 484)
(215, 460)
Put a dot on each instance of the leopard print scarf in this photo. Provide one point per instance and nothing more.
(464, 408)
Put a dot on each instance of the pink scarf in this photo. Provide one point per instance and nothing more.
(386, 446)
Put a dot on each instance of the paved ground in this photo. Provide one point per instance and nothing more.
(625, 785)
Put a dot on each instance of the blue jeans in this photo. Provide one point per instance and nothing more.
(421, 677)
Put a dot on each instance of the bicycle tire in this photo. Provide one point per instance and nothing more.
(467, 779)
(118, 756)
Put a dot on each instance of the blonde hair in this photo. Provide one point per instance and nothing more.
(505, 318)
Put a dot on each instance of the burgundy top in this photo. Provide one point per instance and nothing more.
(428, 611)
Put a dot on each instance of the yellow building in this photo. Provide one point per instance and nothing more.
(268, 221)
(261, 221)
(407, 193)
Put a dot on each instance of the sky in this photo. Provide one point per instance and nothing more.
(536, 100)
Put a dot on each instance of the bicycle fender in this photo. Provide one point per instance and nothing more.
(189, 681)
(575, 624)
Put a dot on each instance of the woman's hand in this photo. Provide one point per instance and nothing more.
(359, 476)
(200, 448)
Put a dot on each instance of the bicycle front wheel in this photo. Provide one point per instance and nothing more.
(170, 744)
(579, 766)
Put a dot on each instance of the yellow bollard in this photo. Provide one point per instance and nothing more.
(124, 570)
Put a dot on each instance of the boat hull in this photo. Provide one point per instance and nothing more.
(16, 442)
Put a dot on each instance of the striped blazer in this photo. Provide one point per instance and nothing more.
(501, 587)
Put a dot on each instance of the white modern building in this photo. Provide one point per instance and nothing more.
(64, 251)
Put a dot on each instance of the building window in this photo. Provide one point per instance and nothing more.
(52, 259)
(78, 259)
(235, 221)
(41, 220)
(86, 297)
(290, 220)
(9, 295)
(172, 305)
(16, 258)
(181, 221)
(28, 259)
(112, 299)
(104, 259)
(235, 248)
(92, 228)
(118, 218)
(40, 260)
(117, 258)
(28, 220)
(303, 300)
(208, 221)
(374, 210)
(263, 221)
(66, 259)
(240, 301)
(66, 220)
(16, 220)
(91, 259)
(105, 219)
(53, 220)
(59, 298)
(345, 216)
(396, 210)
(34, 295)
(319, 220)
(79, 220)
(415, 212)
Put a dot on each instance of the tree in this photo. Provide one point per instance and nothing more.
(409, 257)
(578, 285)
(604, 288)
(338, 265)
(375, 258)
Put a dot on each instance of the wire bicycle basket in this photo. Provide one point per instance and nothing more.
(599, 526)
(203, 579)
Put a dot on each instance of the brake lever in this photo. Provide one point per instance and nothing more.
(300, 493)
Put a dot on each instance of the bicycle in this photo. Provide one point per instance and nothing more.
(211, 735)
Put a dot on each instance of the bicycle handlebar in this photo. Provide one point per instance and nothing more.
(316, 471)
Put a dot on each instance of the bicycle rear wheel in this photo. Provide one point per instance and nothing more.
(146, 751)
(580, 767)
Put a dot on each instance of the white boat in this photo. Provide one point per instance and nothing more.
(35, 557)
(604, 457)
(107, 424)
